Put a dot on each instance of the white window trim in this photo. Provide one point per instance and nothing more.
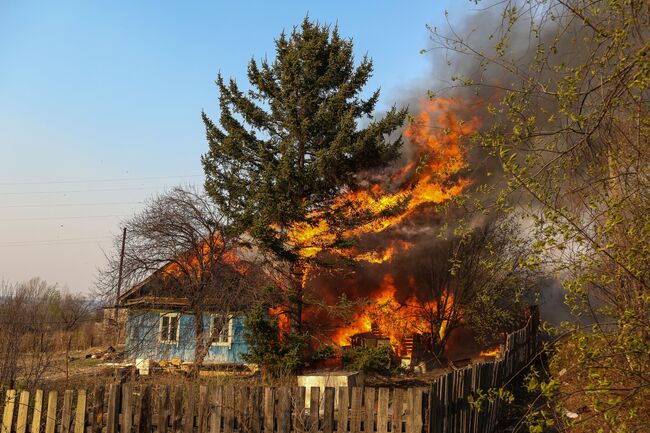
(178, 328)
(222, 343)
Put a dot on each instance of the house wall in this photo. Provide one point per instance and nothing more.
(143, 339)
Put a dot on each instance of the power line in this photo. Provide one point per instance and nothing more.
(72, 204)
(56, 240)
(51, 244)
(120, 179)
(81, 190)
(57, 218)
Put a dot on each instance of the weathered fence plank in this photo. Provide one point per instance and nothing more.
(342, 424)
(38, 412)
(80, 412)
(50, 418)
(328, 410)
(216, 404)
(269, 404)
(112, 423)
(98, 411)
(8, 414)
(23, 407)
(369, 410)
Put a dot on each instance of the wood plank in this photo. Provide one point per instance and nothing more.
(416, 414)
(269, 405)
(189, 409)
(242, 417)
(382, 410)
(66, 413)
(284, 410)
(314, 409)
(203, 410)
(328, 410)
(38, 412)
(177, 410)
(356, 410)
(143, 414)
(50, 418)
(398, 410)
(23, 407)
(299, 418)
(127, 409)
(369, 410)
(409, 397)
(228, 409)
(8, 414)
(80, 412)
(256, 409)
(343, 413)
(98, 410)
(114, 394)
(216, 404)
(164, 410)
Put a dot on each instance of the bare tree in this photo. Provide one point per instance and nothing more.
(476, 280)
(179, 247)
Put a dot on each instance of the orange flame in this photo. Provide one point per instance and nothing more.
(491, 352)
(428, 177)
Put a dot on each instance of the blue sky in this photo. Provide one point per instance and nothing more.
(100, 105)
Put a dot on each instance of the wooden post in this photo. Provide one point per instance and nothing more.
(66, 413)
(50, 421)
(382, 410)
(299, 397)
(23, 406)
(98, 410)
(369, 408)
(228, 409)
(314, 409)
(177, 410)
(342, 424)
(284, 410)
(114, 397)
(127, 409)
(269, 403)
(203, 409)
(80, 412)
(164, 409)
(143, 412)
(398, 408)
(38, 412)
(188, 412)
(356, 410)
(216, 403)
(328, 410)
(8, 415)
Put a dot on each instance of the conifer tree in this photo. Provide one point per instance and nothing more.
(283, 150)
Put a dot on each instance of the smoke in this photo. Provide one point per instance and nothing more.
(459, 73)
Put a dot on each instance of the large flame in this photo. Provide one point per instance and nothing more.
(429, 175)
(388, 318)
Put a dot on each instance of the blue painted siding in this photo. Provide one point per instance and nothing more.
(143, 339)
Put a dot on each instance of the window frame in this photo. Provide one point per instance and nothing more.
(170, 315)
(228, 342)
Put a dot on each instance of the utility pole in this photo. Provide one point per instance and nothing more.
(119, 284)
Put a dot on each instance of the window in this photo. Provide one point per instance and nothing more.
(169, 327)
(221, 330)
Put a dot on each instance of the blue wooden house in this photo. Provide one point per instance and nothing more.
(160, 327)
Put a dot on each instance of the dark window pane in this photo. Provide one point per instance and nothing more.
(164, 329)
(172, 328)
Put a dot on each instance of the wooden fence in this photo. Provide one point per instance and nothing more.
(442, 407)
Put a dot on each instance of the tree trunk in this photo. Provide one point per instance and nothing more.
(201, 348)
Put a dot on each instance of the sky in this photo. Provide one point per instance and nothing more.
(100, 106)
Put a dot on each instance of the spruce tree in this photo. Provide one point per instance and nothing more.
(283, 150)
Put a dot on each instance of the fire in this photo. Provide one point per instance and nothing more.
(429, 176)
(491, 352)
(391, 319)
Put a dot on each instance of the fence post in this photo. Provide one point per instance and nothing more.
(328, 410)
(114, 394)
(80, 412)
(164, 407)
(98, 410)
(23, 406)
(8, 415)
(382, 410)
(269, 403)
(342, 425)
(38, 412)
(369, 406)
(143, 412)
